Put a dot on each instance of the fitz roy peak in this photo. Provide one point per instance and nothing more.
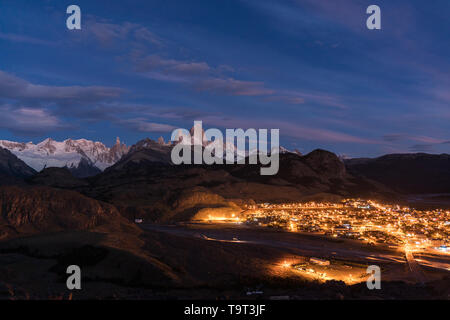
(68, 153)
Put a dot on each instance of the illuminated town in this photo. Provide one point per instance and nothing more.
(367, 221)
(415, 236)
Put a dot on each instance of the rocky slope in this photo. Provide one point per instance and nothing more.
(84, 169)
(145, 151)
(44, 230)
(12, 169)
(31, 210)
(57, 178)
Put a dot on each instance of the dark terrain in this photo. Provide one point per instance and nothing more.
(417, 173)
(51, 219)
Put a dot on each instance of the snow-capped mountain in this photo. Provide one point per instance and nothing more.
(182, 137)
(68, 153)
(284, 150)
(191, 139)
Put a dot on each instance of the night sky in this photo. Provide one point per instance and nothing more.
(308, 67)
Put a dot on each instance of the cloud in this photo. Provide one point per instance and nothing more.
(442, 94)
(429, 140)
(219, 120)
(233, 87)
(321, 134)
(318, 15)
(27, 121)
(287, 129)
(346, 13)
(293, 97)
(157, 64)
(287, 99)
(143, 125)
(422, 143)
(423, 140)
(12, 87)
(36, 109)
(23, 39)
(132, 116)
(143, 34)
(106, 33)
(200, 76)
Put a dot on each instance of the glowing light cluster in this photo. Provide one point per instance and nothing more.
(365, 220)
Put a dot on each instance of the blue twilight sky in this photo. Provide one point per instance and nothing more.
(308, 67)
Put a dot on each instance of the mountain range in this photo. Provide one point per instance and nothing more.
(145, 183)
(142, 181)
(83, 157)
(86, 158)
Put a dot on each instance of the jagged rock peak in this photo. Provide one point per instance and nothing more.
(51, 153)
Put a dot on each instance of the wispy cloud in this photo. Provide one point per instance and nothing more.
(37, 109)
(108, 33)
(420, 143)
(143, 125)
(292, 97)
(13, 87)
(26, 121)
(196, 74)
(201, 76)
(157, 64)
(417, 138)
(24, 39)
(234, 87)
(287, 128)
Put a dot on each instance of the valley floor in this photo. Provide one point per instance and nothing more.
(208, 261)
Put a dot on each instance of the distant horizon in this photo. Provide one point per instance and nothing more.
(168, 139)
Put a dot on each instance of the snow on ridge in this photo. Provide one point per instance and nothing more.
(51, 153)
